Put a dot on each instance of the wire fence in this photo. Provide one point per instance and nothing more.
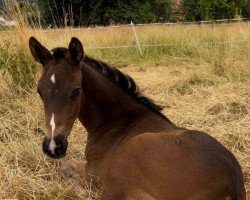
(139, 45)
(166, 44)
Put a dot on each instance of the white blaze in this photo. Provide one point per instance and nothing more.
(52, 144)
(53, 78)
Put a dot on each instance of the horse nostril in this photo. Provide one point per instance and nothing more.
(59, 145)
(59, 150)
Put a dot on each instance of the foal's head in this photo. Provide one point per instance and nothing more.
(60, 90)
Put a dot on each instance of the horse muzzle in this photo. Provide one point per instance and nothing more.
(55, 147)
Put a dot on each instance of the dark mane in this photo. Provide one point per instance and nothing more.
(122, 80)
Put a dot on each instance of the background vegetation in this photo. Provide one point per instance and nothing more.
(196, 10)
(200, 74)
(57, 13)
(82, 13)
(79, 12)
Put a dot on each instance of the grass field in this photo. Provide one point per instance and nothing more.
(202, 78)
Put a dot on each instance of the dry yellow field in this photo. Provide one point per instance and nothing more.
(202, 78)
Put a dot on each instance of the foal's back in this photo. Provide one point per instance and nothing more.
(174, 165)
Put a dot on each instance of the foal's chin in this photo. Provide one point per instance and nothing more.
(56, 157)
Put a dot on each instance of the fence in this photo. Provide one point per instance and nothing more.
(140, 46)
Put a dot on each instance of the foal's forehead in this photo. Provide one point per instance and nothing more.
(57, 71)
(60, 69)
(59, 75)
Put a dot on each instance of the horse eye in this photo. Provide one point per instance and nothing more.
(75, 93)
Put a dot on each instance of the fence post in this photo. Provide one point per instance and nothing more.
(137, 41)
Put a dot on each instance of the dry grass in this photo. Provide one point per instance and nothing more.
(202, 85)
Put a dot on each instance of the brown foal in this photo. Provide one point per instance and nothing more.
(133, 151)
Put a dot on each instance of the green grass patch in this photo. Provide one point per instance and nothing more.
(18, 64)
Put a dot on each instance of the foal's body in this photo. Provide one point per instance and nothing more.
(133, 151)
(145, 156)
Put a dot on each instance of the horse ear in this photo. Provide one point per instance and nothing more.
(38, 51)
(76, 50)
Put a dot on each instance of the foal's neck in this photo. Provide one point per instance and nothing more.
(111, 116)
(104, 105)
